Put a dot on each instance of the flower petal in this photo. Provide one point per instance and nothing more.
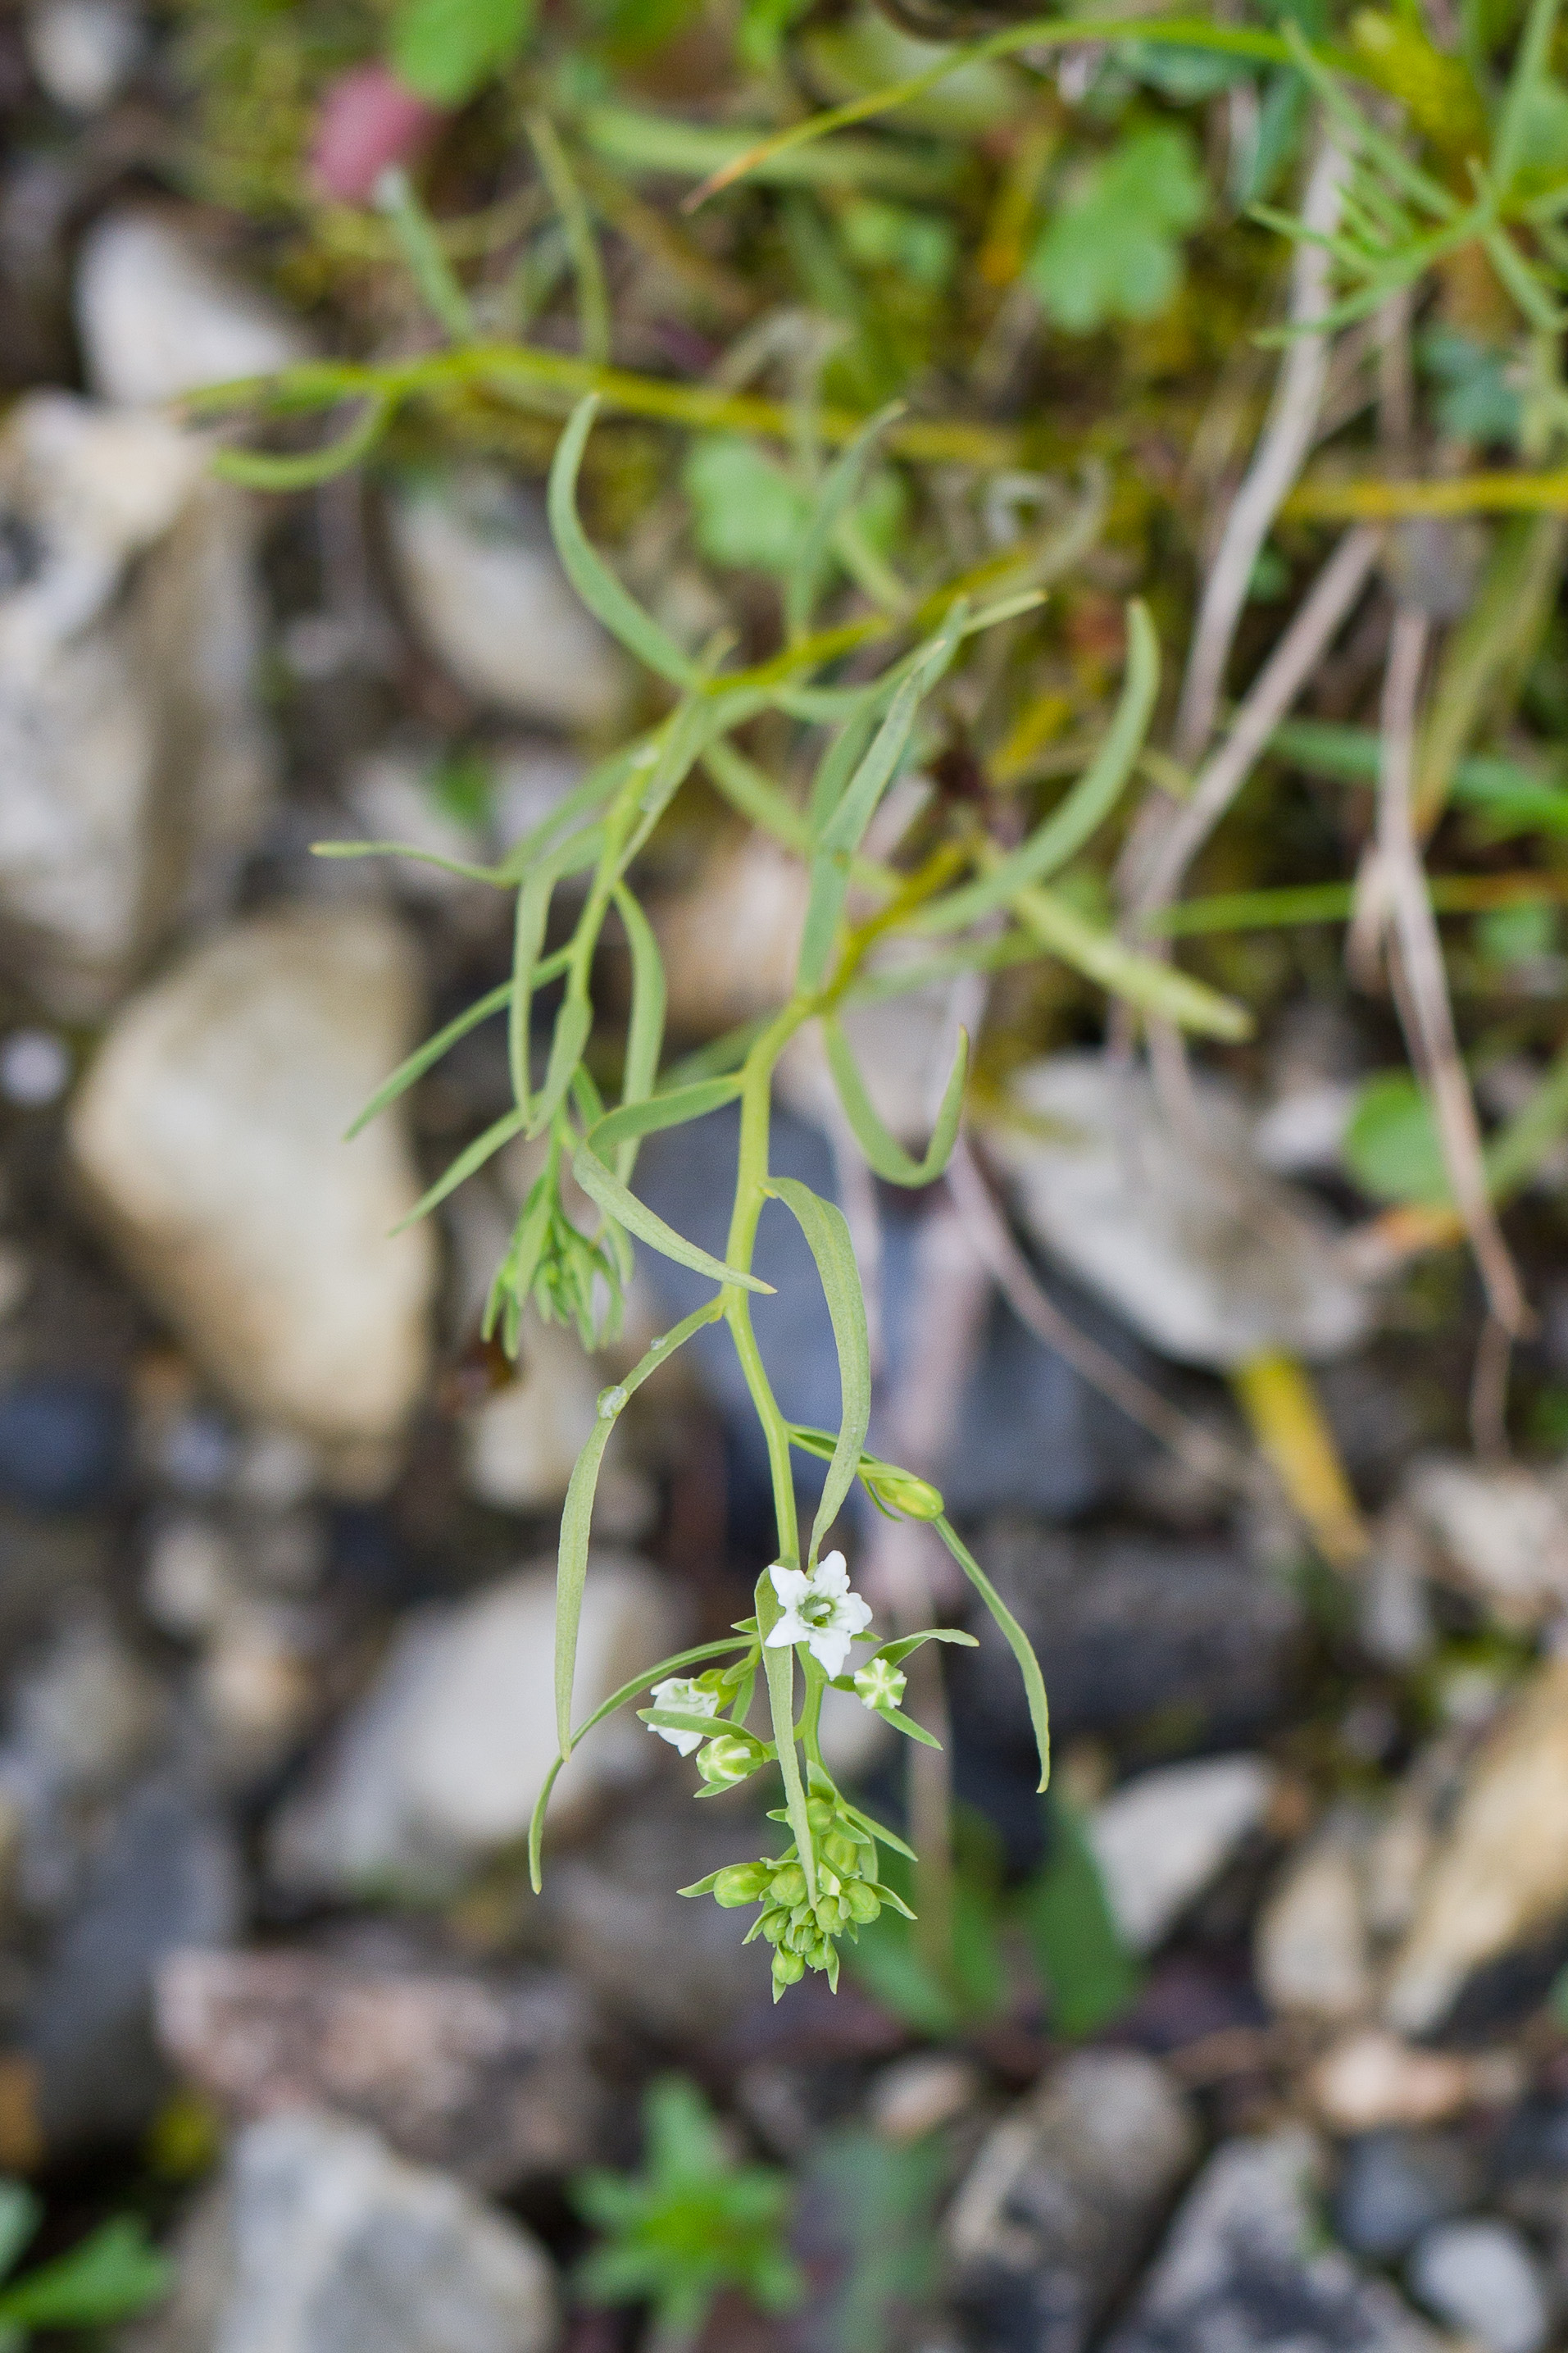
(832, 1576)
(792, 1585)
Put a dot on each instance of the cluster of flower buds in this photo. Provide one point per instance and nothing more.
(803, 1933)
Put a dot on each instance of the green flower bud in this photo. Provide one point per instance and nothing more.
(901, 1491)
(742, 1883)
(775, 1926)
(861, 1902)
(788, 1967)
(789, 1884)
(821, 1814)
(841, 1852)
(728, 1759)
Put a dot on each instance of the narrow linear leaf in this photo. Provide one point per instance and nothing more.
(754, 794)
(422, 1058)
(577, 1512)
(1092, 800)
(260, 470)
(827, 1235)
(1142, 980)
(840, 488)
(909, 1727)
(483, 1147)
(627, 1691)
(844, 828)
(884, 1152)
(589, 573)
(618, 1202)
(572, 1024)
(824, 906)
(470, 874)
(1013, 1633)
(896, 1653)
(672, 1109)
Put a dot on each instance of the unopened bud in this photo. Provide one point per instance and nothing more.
(788, 1967)
(789, 1884)
(728, 1759)
(862, 1902)
(840, 1851)
(901, 1491)
(742, 1883)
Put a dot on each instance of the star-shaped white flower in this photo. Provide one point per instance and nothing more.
(682, 1698)
(820, 1610)
(879, 1683)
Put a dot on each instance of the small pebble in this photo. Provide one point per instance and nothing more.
(1394, 2184)
(62, 1442)
(34, 1069)
(191, 1576)
(919, 2094)
(1480, 2277)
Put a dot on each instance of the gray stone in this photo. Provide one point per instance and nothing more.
(1062, 2198)
(1313, 1952)
(1394, 2184)
(486, 2078)
(1166, 1836)
(1497, 1531)
(1204, 1254)
(169, 1875)
(136, 768)
(210, 1132)
(157, 317)
(320, 2241)
(442, 1761)
(1481, 2278)
(1245, 2268)
(486, 592)
(83, 51)
(1138, 1630)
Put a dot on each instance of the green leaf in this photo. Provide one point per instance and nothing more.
(827, 1235)
(841, 487)
(748, 511)
(618, 1202)
(630, 1120)
(1089, 802)
(258, 470)
(21, 2211)
(114, 2273)
(1392, 1147)
(589, 573)
(447, 50)
(1143, 981)
(645, 1029)
(577, 1512)
(884, 1152)
(1074, 1936)
(1111, 249)
(483, 1147)
(1013, 1633)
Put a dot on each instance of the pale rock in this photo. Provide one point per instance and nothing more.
(1393, 1608)
(731, 939)
(319, 2240)
(1369, 2079)
(519, 1444)
(209, 1132)
(1499, 1874)
(1245, 2267)
(257, 1687)
(1166, 1836)
(443, 1761)
(487, 594)
(1207, 1256)
(528, 781)
(88, 1713)
(157, 317)
(1302, 1135)
(1063, 2197)
(1496, 1532)
(1312, 1950)
(1480, 2278)
(922, 2093)
(191, 1576)
(137, 770)
(83, 51)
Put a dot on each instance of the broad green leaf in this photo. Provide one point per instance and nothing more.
(1142, 980)
(1089, 802)
(112, 2274)
(1074, 1934)
(1392, 1147)
(1013, 1633)
(618, 1202)
(590, 576)
(747, 509)
(631, 1120)
(577, 1512)
(1111, 249)
(447, 50)
(827, 1235)
(627, 1691)
(884, 1152)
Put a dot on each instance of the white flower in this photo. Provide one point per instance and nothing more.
(879, 1683)
(679, 1697)
(820, 1610)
